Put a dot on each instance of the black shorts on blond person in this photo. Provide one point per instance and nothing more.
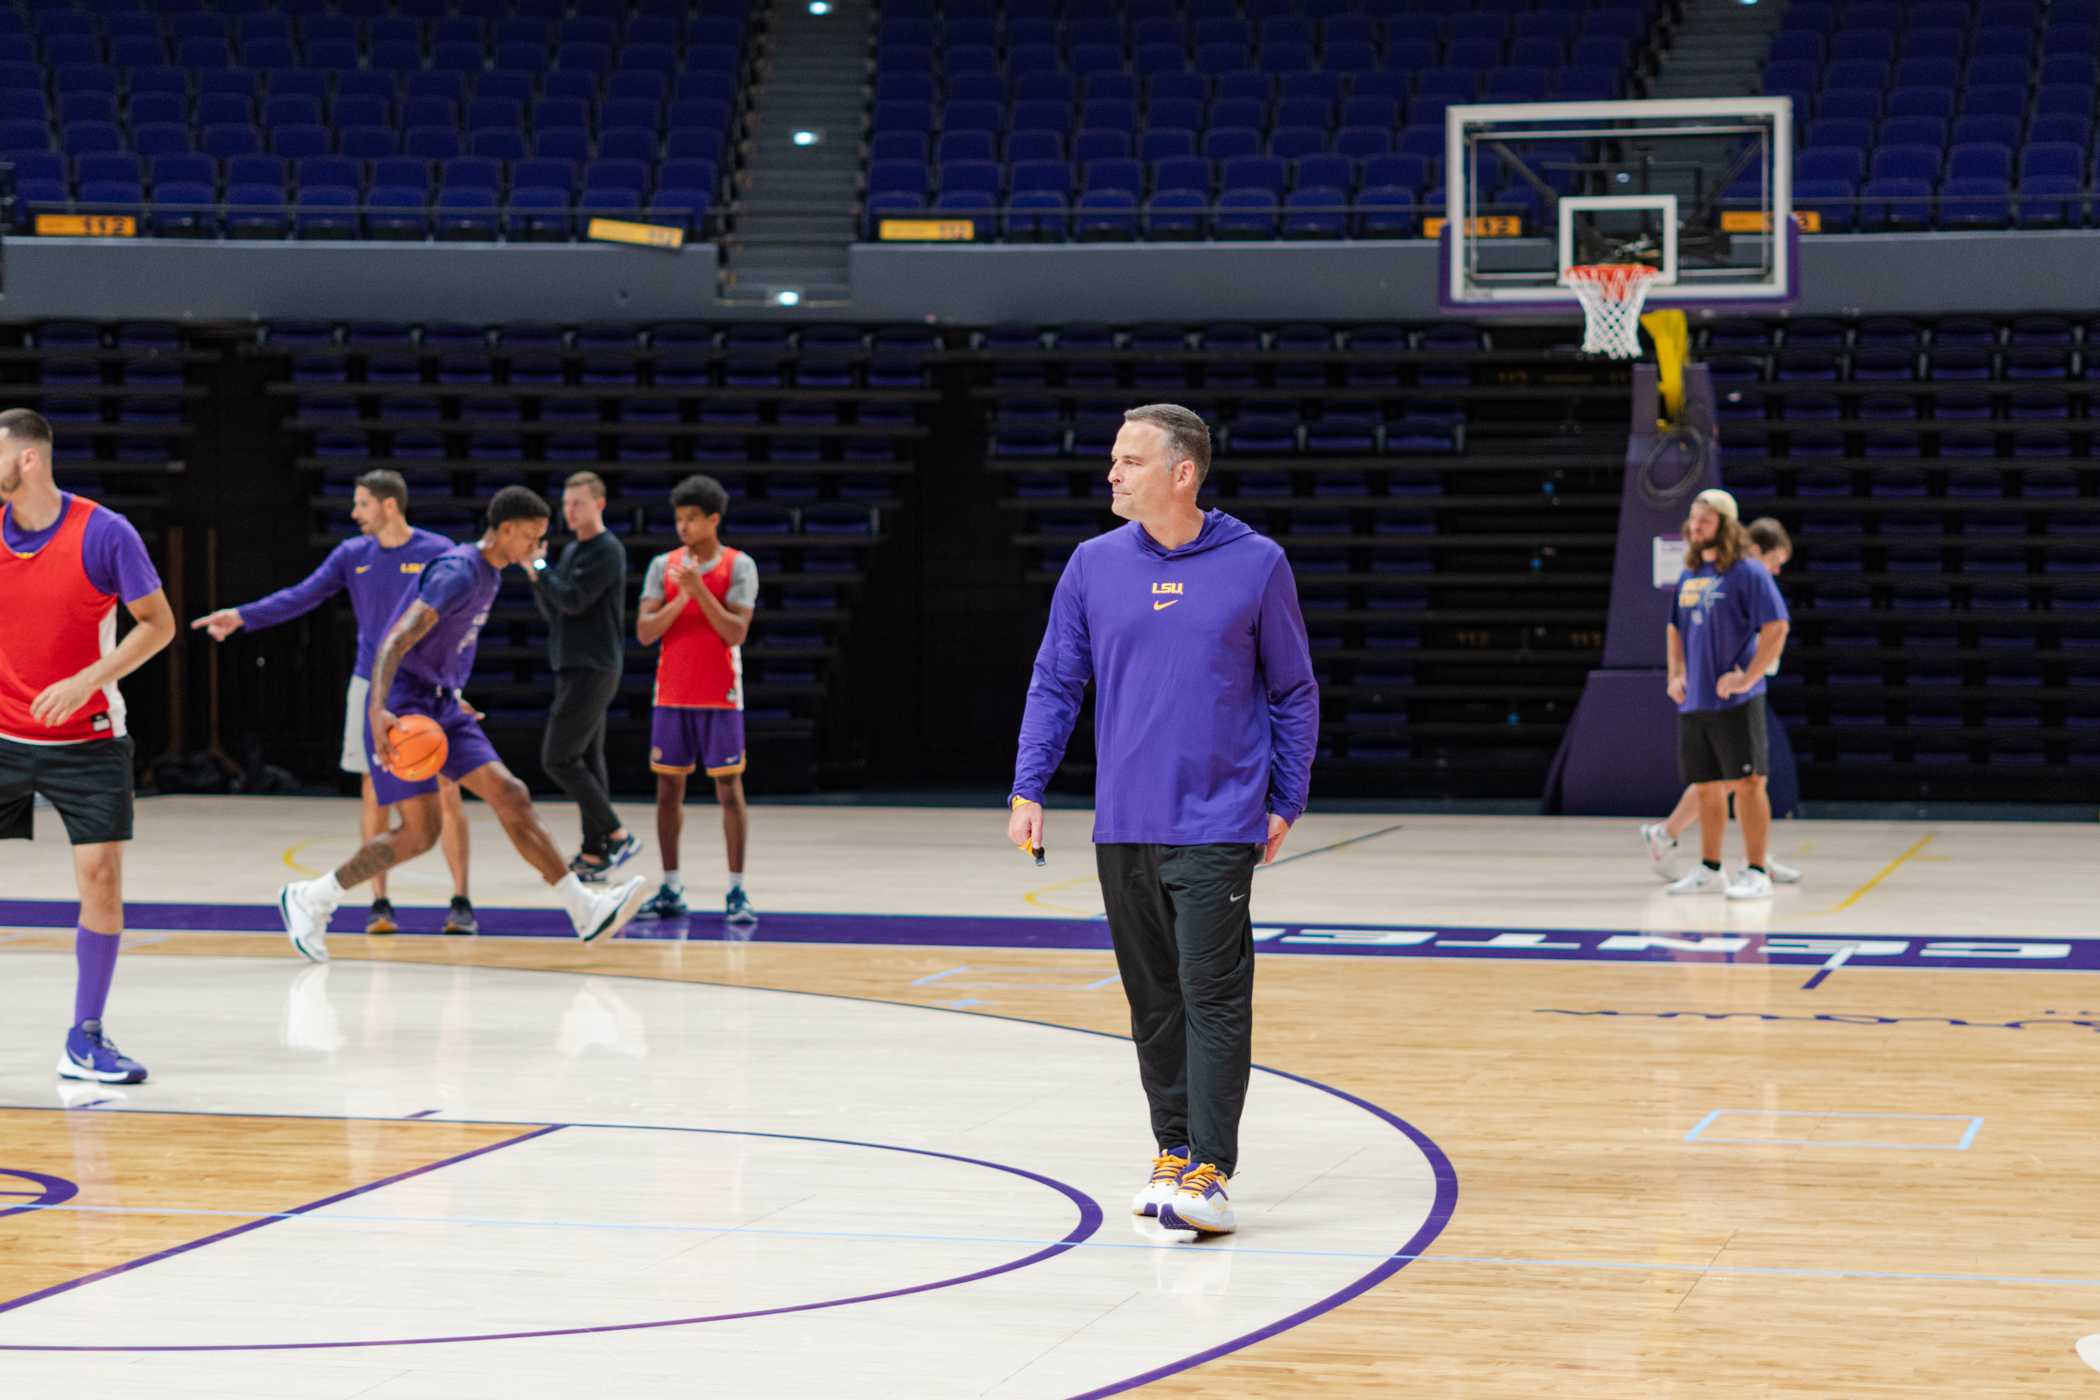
(1720, 746)
(1184, 941)
(88, 784)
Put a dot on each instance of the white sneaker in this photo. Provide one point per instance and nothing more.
(1199, 1203)
(1662, 851)
(1750, 884)
(596, 910)
(1167, 1168)
(306, 906)
(1697, 880)
(1783, 874)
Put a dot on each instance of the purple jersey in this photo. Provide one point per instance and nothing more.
(110, 549)
(379, 580)
(459, 586)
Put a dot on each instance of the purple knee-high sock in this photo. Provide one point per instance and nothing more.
(96, 955)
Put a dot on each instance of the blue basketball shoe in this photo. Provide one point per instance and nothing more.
(667, 903)
(90, 1055)
(737, 910)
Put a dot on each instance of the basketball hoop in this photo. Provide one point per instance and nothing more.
(1612, 295)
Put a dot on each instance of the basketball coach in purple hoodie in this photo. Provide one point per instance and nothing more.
(1205, 718)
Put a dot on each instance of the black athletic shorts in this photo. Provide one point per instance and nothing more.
(1715, 746)
(88, 783)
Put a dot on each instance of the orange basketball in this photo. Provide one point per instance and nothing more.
(419, 748)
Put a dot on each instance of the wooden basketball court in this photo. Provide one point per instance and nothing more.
(1526, 1125)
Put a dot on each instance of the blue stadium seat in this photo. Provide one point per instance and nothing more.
(112, 165)
(2052, 201)
(1246, 214)
(503, 143)
(183, 209)
(1184, 173)
(1904, 162)
(564, 144)
(1292, 142)
(294, 142)
(1316, 211)
(1363, 142)
(1911, 131)
(1896, 202)
(256, 210)
(1107, 212)
(1331, 171)
(467, 213)
(1177, 214)
(1980, 161)
(1031, 145)
(397, 212)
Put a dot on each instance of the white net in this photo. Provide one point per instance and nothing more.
(1612, 295)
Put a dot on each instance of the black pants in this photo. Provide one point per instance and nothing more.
(573, 749)
(1185, 947)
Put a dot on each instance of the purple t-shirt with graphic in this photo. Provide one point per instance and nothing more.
(459, 586)
(1718, 617)
(380, 582)
(111, 549)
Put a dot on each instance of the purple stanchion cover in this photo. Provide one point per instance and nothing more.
(1619, 756)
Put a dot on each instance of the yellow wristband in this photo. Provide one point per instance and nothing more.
(1016, 800)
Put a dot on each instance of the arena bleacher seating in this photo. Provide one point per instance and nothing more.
(1178, 121)
(471, 122)
(1949, 114)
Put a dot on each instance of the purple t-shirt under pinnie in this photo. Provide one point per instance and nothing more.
(113, 553)
(379, 580)
(459, 586)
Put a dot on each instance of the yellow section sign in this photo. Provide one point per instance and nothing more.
(639, 235)
(927, 231)
(87, 226)
(1479, 226)
(1760, 220)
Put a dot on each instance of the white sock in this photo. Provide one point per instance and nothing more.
(329, 889)
(673, 883)
(736, 880)
(569, 889)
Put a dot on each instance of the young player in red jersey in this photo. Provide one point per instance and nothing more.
(66, 564)
(697, 601)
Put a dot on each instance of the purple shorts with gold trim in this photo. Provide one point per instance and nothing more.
(682, 740)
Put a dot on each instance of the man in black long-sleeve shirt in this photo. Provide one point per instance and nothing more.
(583, 597)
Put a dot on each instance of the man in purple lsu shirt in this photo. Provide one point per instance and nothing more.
(379, 570)
(1206, 715)
(423, 662)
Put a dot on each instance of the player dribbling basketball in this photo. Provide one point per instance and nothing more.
(422, 664)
